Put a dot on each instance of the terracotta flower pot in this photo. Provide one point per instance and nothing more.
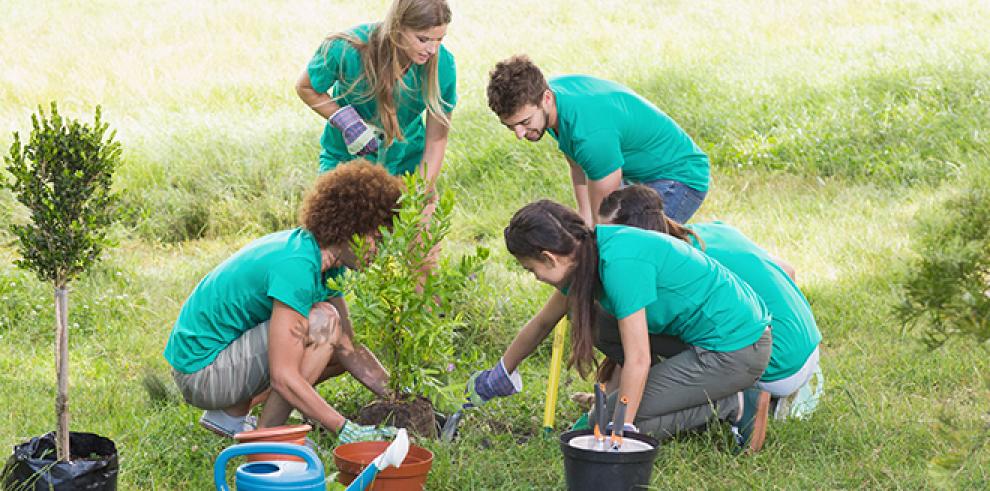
(352, 458)
(284, 434)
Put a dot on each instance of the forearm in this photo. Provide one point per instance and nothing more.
(302, 396)
(321, 103)
(523, 345)
(634, 375)
(535, 331)
(600, 189)
(633, 330)
(362, 364)
(434, 149)
(358, 360)
(580, 183)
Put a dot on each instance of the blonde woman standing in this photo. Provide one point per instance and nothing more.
(386, 89)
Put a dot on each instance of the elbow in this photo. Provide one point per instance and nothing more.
(302, 89)
(303, 86)
(639, 362)
(789, 270)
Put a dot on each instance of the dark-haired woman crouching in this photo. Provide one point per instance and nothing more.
(654, 285)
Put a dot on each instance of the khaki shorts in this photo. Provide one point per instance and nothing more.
(238, 373)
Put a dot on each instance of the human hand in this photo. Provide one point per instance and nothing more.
(358, 135)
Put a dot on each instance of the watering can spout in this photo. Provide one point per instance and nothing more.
(393, 456)
(395, 453)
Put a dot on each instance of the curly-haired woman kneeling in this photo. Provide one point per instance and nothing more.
(264, 318)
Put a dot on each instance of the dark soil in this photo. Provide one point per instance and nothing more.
(415, 415)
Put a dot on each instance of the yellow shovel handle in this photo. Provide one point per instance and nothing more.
(556, 357)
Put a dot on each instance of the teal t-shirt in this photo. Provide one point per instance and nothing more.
(336, 69)
(604, 126)
(795, 333)
(686, 294)
(239, 294)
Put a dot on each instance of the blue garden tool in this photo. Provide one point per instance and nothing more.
(269, 476)
(393, 456)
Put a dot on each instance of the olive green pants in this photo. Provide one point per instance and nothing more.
(691, 386)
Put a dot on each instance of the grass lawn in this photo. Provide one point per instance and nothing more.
(830, 126)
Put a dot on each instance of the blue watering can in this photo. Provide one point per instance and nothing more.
(271, 476)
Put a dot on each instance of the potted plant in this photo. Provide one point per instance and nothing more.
(400, 299)
(62, 175)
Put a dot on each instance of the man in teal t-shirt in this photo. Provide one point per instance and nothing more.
(265, 319)
(608, 134)
(335, 78)
(240, 292)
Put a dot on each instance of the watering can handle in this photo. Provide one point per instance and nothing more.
(220, 466)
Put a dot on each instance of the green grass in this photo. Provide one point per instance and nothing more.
(830, 126)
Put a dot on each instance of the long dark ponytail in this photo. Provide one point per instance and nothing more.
(548, 226)
(640, 206)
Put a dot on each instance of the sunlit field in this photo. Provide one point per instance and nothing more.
(830, 126)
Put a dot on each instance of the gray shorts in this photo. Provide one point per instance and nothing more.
(238, 373)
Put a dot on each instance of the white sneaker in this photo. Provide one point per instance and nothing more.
(803, 401)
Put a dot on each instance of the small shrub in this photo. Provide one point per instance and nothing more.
(63, 176)
(947, 291)
(400, 306)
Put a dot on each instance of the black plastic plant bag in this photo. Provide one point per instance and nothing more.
(33, 466)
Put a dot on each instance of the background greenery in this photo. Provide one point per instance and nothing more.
(830, 125)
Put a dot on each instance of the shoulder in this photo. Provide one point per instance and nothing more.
(446, 65)
(343, 41)
(615, 241)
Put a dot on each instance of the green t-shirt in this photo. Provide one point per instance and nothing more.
(686, 294)
(795, 333)
(239, 294)
(336, 67)
(604, 126)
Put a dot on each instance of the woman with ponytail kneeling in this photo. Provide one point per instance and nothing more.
(655, 286)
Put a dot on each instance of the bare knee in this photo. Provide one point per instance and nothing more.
(324, 325)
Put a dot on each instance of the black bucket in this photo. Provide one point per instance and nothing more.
(594, 470)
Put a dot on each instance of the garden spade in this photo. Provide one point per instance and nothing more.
(450, 426)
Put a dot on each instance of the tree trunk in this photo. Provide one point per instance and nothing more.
(62, 368)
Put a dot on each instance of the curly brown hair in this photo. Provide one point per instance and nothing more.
(354, 198)
(513, 83)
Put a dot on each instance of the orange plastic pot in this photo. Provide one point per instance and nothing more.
(282, 434)
(352, 458)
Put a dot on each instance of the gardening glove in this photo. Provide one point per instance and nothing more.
(487, 384)
(358, 135)
(352, 432)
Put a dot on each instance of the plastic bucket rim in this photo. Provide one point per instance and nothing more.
(608, 457)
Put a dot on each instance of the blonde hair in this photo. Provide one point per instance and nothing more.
(381, 61)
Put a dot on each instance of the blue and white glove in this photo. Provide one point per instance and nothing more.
(358, 135)
(488, 384)
(352, 432)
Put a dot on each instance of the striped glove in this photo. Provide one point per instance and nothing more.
(487, 384)
(352, 432)
(358, 135)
